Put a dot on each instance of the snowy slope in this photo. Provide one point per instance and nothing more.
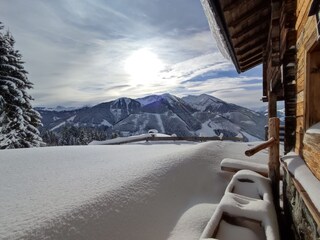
(205, 102)
(144, 191)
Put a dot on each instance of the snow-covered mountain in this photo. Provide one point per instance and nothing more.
(202, 115)
(280, 112)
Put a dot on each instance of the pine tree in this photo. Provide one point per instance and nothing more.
(18, 119)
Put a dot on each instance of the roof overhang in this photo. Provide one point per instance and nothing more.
(243, 26)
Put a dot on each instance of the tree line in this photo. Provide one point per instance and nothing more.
(72, 135)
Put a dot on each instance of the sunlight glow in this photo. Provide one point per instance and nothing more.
(143, 67)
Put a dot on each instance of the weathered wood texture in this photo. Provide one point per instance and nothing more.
(307, 103)
(274, 159)
(279, 72)
(274, 156)
(247, 25)
(260, 147)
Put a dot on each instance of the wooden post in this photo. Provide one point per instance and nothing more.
(272, 106)
(274, 159)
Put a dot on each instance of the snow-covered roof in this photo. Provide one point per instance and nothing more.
(241, 30)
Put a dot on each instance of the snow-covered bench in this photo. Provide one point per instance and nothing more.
(246, 211)
(235, 165)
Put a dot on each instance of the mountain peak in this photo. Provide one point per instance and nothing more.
(169, 97)
(189, 116)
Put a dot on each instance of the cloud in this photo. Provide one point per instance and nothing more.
(75, 50)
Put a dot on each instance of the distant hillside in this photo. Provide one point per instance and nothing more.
(202, 115)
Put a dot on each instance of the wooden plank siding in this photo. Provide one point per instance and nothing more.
(307, 145)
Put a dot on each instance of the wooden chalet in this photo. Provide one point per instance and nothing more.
(283, 36)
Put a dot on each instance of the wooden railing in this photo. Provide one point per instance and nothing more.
(274, 156)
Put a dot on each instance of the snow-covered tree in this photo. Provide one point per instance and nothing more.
(18, 119)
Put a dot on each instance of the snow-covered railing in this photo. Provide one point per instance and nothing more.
(118, 141)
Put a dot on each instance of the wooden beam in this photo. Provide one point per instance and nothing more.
(232, 5)
(260, 147)
(250, 48)
(262, 22)
(251, 55)
(272, 106)
(250, 65)
(274, 160)
(264, 78)
(276, 81)
(249, 40)
(256, 10)
(254, 58)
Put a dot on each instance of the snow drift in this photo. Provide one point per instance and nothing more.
(140, 191)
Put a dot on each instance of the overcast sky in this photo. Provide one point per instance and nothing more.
(83, 52)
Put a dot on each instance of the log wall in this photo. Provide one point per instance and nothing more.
(308, 146)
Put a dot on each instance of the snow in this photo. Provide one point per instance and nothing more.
(160, 123)
(142, 190)
(202, 101)
(250, 137)
(239, 233)
(242, 203)
(314, 129)
(119, 140)
(302, 173)
(57, 108)
(105, 123)
(71, 118)
(249, 122)
(135, 138)
(217, 34)
(171, 99)
(250, 184)
(240, 164)
(206, 129)
(59, 125)
(149, 99)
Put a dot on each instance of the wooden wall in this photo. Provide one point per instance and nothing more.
(307, 145)
(288, 39)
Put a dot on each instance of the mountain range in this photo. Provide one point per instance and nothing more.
(202, 115)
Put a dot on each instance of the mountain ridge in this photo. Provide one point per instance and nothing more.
(192, 115)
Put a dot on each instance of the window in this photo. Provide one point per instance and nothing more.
(312, 109)
(313, 87)
(315, 10)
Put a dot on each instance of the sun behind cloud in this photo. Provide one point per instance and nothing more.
(143, 67)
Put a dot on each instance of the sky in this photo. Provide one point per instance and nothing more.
(83, 52)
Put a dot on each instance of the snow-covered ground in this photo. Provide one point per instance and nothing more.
(135, 191)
